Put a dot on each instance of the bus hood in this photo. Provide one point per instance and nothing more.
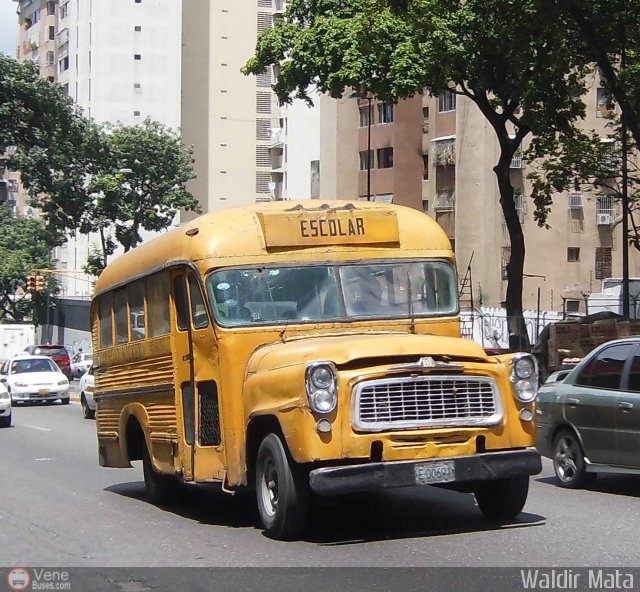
(342, 349)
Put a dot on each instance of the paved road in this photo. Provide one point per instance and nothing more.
(59, 508)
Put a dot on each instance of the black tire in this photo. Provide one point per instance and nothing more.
(568, 461)
(5, 422)
(86, 411)
(503, 499)
(64, 401)
(282, 490)
(162, 490)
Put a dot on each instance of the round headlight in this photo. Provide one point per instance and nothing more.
(321, 377)
(324, 401)
(524, 368)
(526, 391)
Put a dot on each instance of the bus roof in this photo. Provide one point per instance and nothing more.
(284, 231)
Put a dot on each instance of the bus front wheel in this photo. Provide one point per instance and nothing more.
(161, 489)
(282, 490)
(503, 499)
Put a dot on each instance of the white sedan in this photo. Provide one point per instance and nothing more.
(5, 407)
(87, 384)
(34, 378)
(80, 364)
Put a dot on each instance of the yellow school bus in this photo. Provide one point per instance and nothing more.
(300, 348)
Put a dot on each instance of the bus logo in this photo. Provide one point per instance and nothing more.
(18, 579)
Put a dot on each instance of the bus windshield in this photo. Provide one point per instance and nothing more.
(276, 295)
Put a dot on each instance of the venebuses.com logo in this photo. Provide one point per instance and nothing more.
(20, 578)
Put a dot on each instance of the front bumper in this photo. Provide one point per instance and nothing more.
(52, 395)
(486, 466)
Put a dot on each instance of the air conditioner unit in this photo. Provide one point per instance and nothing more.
(604, 219)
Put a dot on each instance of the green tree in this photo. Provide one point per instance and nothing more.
(120, 180)
(24, 244)
(605, 33)
(38, 121)
(506, 56)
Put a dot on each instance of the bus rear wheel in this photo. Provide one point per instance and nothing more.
(282, 490)
(161, 489)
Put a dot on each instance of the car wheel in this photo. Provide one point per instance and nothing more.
(282, 490)
(568, 461)
(5, 422)
(161, 489)
(502, 499)
(64, 401)
(86, 411)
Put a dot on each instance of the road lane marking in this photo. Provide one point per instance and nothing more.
(26, 425)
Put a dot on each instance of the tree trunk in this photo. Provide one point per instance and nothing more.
(518, 337)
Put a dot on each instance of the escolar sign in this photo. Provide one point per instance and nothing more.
(328, 227)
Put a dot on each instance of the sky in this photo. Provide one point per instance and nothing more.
(8, 27)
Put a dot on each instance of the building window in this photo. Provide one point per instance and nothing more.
(385, 158)
(572, 305)
(366, 163)
(573, 254)
(603, 263)
(64, 64)
(51, 60)
(137, 56)
(425, 167)
(137, 28)
(385, 113)
(425, 120)
(138, 1)
(604, 103)
(64, 10)
(365, 115)
(51, 8)
(136, 113)
(52, 33)
(446, 101)
(506, 257)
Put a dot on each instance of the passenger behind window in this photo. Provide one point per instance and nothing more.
(362, 291)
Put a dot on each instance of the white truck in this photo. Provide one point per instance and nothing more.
(14, 338)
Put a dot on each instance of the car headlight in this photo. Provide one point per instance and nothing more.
(63, 382)
(20, 384)
(524, 377)
(4, 394)
(322, 391)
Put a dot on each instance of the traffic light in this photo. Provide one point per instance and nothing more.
(31, 283)
(40, 283)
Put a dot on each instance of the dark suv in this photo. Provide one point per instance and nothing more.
(57, 353)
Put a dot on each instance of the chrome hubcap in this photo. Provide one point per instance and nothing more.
(565, 459)
(269, 488)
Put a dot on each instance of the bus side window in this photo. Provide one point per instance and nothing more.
(181, 301)
(158, 304)
(121, 315)
(198, 310)
(106, 326)
(136, 310)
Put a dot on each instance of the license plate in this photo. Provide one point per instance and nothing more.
(435, 472)
(43, 392)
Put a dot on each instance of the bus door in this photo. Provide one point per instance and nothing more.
(195, 355)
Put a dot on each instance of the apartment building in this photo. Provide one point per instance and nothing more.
(119, 60)
(437, 154)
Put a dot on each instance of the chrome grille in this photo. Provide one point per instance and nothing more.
(411, 402)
